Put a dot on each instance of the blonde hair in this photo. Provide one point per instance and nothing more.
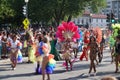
(109, 78)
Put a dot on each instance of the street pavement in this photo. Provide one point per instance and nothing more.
(25, 71)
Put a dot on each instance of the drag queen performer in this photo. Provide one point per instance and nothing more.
(67, 32)
(14, 48)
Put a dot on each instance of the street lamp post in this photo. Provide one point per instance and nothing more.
(26, 1)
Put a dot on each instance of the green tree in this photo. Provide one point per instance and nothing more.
(17, 6)
(5, 11)
(58, 10)
(46, 11)
(11, 12)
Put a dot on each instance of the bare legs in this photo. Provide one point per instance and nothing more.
(13, 59)
(68, 61)
(92, 64)
(44, 64)
(75, 52)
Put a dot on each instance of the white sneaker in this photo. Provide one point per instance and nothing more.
(13, 68)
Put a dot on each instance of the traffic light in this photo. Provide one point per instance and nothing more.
(108, 18)
(113, 18)
(24, 10)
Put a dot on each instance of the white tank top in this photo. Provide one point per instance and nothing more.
(14, 44)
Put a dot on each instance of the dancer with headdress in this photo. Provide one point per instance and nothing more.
(116, 48)
(67, 32)
(85, 48)
(98, 36)
(93, 53)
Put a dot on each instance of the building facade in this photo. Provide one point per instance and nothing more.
(92, 20)
(113, 6)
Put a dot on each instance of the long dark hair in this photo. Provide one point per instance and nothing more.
(45, 40)
(91, 39)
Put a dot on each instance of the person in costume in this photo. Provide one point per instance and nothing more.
(58, 47)
(14, 47)
(4, 44)
(67, 32)
(98, 36)
(112, 40)
(84, 53)
(53, 49)
(85, 48)
(31, 48)
(74, 46)
(112, 44)
(80, 41)
(19, 56)
(93, 53)
(102, 44)
(48, 62)
(39, 53)
(117, 53)
(67, 54)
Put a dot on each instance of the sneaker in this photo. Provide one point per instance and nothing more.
(13, 68)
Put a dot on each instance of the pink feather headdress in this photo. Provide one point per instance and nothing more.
(68, 30)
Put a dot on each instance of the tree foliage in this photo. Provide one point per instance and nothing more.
(58, 10)
(47, 11)
(5, 11)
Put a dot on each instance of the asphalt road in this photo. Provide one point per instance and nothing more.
(25, 71)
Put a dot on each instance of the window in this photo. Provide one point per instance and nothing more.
(96, 20)
(101, 20)
(82, 21)
(78, 21)
(90, 20)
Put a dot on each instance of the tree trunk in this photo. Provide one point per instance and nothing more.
(69, 18)
(59, 14)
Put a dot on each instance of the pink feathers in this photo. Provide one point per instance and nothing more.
(67, 30)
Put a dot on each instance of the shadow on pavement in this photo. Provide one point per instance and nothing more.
(4, 69)
(59, 71)
(16, 75)
(85, 66)
(83, 76)
(76, 77)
